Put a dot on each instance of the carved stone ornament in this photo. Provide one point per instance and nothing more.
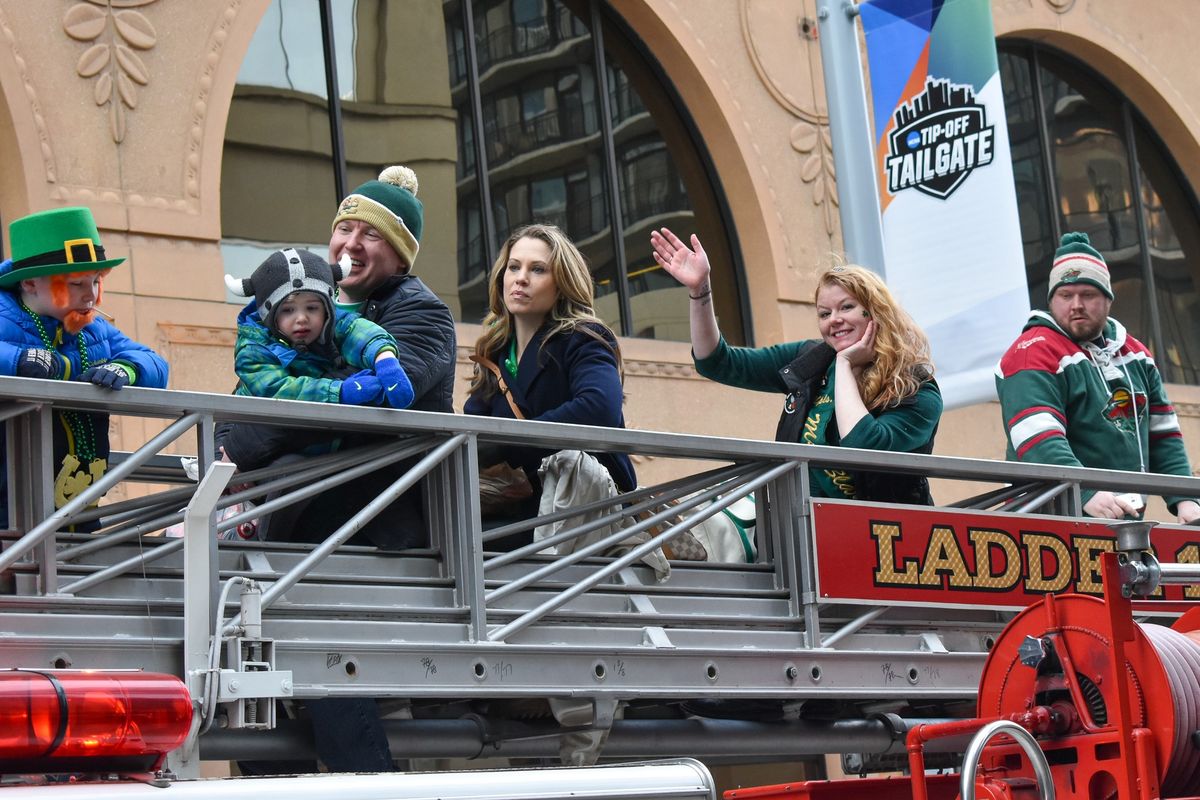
(1061, 6)
(815, 142)
(115, 32)
(800, 97)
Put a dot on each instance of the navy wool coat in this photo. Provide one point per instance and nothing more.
(570, 378)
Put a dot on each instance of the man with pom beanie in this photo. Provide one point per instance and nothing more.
(377, 230)
(376, 237)
(1077, 390)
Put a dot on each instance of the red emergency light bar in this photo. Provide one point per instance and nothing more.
(84, 721)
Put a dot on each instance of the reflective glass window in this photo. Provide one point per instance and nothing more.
(278, 178)
(509, 111)
(1082, 149)
(1173, 236)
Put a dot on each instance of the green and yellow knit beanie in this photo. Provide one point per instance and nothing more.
(389, 205)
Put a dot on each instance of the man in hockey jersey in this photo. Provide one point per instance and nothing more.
(1077, 390)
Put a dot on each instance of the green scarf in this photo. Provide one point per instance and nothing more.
(825, 482)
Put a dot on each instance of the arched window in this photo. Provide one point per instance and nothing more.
(1084, 159)
(555, 114)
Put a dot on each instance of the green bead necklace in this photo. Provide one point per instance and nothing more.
(80, 424)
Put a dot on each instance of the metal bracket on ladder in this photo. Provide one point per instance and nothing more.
(248, 689)
(582, 748)
(253, 679)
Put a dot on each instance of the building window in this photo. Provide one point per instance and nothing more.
(510, 111)
(1084, 159)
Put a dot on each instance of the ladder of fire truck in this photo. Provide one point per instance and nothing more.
(475, 652)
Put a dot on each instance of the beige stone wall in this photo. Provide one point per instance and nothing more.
(131, 120)
(751, 77)
(124, 110)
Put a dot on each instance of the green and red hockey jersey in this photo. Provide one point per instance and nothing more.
(1088, 404)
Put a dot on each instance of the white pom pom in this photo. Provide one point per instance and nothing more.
(344, 263)
(236, 285)
(400, 176)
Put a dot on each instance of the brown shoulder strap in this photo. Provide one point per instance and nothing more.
(491, 365)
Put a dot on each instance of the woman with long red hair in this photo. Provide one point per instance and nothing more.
(867, 382)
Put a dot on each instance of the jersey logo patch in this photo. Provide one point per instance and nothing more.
(1120, 409)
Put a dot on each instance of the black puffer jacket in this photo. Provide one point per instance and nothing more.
(424, 331)
(803, 380)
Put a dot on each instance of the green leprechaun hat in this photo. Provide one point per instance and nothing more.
(58, 241)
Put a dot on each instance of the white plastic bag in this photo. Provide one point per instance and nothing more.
(572, 478)
(728, 535)
(246, 531)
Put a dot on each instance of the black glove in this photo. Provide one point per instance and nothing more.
(37, 362)
(110, 375)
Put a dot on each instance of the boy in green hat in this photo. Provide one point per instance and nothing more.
(49, 292)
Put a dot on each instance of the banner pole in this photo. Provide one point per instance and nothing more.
(850, 131)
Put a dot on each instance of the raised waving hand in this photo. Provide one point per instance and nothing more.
(689, 266)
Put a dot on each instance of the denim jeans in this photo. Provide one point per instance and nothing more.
(349, 735)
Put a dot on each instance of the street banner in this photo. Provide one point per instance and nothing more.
(952, 237)
(978, 559)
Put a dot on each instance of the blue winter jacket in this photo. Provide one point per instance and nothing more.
(102, 343)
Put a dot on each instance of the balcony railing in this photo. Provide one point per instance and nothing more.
(653, 197)
(519, 41)
(588, 632)
(528, 135)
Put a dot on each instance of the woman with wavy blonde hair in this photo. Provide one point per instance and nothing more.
(544, 354)
(866, 383)
(902, 361)
(572, 308)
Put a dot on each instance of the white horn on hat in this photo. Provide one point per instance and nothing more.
(239, 286)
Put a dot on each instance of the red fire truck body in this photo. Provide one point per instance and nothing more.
(1077, 701)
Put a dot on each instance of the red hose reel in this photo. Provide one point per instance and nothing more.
(1052, 670)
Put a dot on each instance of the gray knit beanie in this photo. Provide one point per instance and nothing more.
(284, 272)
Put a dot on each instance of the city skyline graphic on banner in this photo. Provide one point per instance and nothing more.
(930, 132)
(948, 206)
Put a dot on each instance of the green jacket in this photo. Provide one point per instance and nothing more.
(1083, 405)
(270, 367)
(801, 371)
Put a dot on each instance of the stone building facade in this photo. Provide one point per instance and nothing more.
(146, 111)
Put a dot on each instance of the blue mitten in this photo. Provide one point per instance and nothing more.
(396, 386)
(110, 375)
(360, 389)
(38, 362)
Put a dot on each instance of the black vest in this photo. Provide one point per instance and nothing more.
(803, 377)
